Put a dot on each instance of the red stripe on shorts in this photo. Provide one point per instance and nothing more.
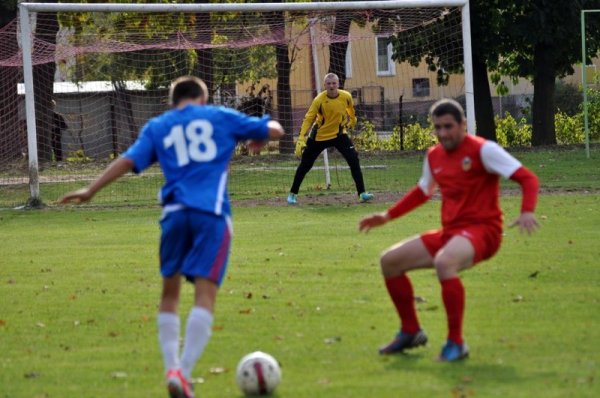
(221, 257)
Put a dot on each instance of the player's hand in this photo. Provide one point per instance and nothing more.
(526, 222)
(254, 146)
(372, 221)
(79, 196)
(300, 145)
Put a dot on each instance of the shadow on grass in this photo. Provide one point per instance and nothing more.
(470, 374)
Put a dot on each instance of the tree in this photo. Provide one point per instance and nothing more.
(43, 83)
(9, 76)
(544, 43)
(337, 49)
(204, 56)
(422, 44)
(276, 22)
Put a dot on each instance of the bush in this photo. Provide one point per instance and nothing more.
(569, 129)
(510, 132)
(416, 137)
(365, 137)
(594, 113)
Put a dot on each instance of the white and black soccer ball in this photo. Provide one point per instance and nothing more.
(258, 373)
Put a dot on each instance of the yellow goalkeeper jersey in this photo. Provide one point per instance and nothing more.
(330, 115)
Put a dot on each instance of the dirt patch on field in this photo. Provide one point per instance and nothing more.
(349, 199)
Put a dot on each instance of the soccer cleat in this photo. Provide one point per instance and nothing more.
(178, 386)
(365, 197)
(453, 352)
(404, 341)
(292, 199)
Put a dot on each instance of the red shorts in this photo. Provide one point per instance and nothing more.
(485, 239)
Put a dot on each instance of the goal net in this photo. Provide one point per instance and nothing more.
(98, 72)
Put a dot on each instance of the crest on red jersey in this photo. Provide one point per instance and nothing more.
(467, 163)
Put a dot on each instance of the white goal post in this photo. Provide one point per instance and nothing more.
(26, 9)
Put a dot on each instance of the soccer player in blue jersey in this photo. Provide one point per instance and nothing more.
(193, 142)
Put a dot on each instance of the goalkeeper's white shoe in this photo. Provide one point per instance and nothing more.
(292, 199)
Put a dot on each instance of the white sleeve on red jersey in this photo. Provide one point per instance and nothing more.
(426, 182)
(496, 160)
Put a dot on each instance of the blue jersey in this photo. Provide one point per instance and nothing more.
(194, 146)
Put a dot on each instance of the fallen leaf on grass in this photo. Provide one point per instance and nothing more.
(518, 298)
(217, 370)
(334, 339)
(2, 322)
(246, 311)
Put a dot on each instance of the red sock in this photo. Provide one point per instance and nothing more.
(453, 295)
(401, 293)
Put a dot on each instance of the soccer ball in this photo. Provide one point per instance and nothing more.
(258, 373)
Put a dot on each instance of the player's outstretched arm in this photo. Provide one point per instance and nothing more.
(529, 186)
(372, 221)
(526, 222)
(275, 133)
(115, 170)
(413, 199)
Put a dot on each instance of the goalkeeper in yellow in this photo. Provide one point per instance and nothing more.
(324, 126)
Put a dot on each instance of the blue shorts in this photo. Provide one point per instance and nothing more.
(194, 244)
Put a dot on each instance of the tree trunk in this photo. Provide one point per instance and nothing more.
(204, 62)
(12, 138)
(544, 83)
(43, 85)
(484, 110)
(337, 49)
(284, 66)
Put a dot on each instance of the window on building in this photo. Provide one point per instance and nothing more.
(385, 64)
(420, 87)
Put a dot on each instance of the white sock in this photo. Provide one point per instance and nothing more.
(168, 336)
(197, 333)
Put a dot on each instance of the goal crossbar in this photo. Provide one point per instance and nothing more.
(321, 6)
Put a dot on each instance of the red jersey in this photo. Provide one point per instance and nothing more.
(468, 179)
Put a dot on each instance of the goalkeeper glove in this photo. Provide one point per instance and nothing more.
(300, 145)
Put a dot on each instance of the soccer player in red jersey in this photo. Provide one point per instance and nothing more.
(466, 170)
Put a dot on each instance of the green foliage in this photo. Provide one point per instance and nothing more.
(158, 67)
(78, 156)
(594, 113)
(416, 137)
(365, 137)
(422, 43)
(569, 129)
(511, 132)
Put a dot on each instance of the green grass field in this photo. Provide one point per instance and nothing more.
(79, 290)
(565, 168)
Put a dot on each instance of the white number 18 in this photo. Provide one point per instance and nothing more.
(201, 146)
